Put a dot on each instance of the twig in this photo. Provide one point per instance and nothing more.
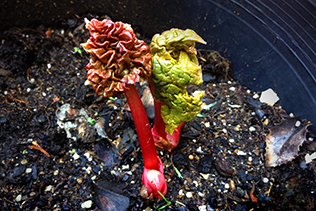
(20, 101)
(38, 147)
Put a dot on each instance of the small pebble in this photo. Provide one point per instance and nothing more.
(199, 149)
(297, 123)
(226, 186)
(237, 128)
(76, 156)
(23, 162)
(201, 194)
(56, 172)
(250, 159)
(251, 129)
(86, 204)
(32, 80)
(205, 176)
(265, 180)
(88, 156)
(48, 188)
(203, 208)
(241, 153)
(125, 167)
(79, 180)
(18, 198)
(189, 195)
(28, 170)
(181, 193)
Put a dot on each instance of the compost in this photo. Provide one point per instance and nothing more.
(64, 148)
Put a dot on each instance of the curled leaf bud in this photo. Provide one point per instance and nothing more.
(175, 66)
(118, 58)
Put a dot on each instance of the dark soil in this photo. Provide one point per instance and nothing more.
(219, 163)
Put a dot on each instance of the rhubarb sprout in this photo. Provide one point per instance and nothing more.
(118, 57)
(175, 66)
(118, 61)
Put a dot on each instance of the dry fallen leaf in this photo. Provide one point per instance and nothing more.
(284, 140)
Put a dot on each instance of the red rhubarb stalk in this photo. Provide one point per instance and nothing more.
(118, 61)
(142, 127)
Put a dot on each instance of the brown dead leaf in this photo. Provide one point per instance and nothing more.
(284, 140)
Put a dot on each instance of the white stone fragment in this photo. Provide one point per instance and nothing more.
(241, 153)
(48, 188)
(181, 193)
(265, 180)
(226, 186)
(199, 149)
(297, 123)
(255, 96)
(203, 208)
(269, 97)
(88, 156)
(86, 204)
(125, 167)
(18, 198)
(310, 158)
(88, 170)
(189, 195)
(195, 93)
(201, 194)
(232, 88)
(252, 128)
(205, 176)
(28, 170)
(76, 156)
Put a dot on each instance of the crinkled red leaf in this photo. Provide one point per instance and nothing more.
(118, 57)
